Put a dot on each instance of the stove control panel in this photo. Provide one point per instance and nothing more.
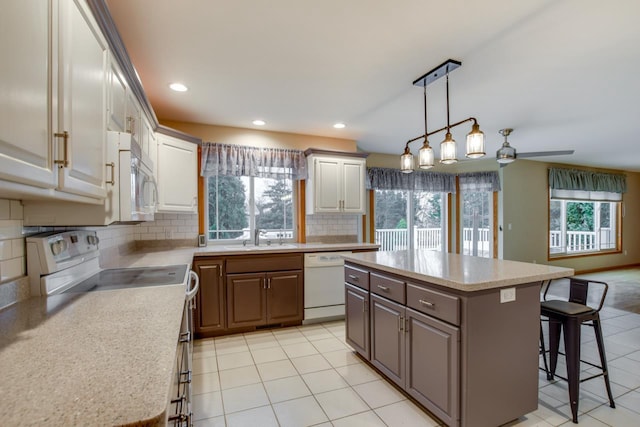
(53, 251)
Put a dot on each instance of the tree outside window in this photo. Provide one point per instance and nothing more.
(239, 205)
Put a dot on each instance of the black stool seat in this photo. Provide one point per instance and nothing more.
(568, 317)
(565, 307)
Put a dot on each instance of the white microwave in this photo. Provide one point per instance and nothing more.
(138, 189)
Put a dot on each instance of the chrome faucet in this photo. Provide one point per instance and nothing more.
(256, 237)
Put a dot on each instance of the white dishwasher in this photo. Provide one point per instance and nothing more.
(323, 286)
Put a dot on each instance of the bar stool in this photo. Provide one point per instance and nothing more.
(570, 316)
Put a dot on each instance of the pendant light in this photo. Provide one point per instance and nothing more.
(448, 148)
(506, 153)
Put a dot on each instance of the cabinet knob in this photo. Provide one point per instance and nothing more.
(383, 288)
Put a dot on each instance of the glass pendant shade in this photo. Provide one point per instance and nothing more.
(475, 142)
(506, 153)
(425, 156)
(448, 153)
(406, 161)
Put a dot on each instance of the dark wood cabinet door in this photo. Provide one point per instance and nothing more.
(433, 365)
(210, 303)
(388, 338)
(246, 302)
(357, 319)
(285, 299)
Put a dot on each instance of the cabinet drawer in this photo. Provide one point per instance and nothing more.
(434, 303)
(356, 277)
(388, 287)
(264, 263)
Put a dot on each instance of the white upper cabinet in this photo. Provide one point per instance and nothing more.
(27, 70)
(132, 120)
(335, 184)
(52, 98)
(116, 98)
(82, 102)
(177, 175)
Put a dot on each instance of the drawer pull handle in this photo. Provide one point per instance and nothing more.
(427, 303)
(383, 288)
(354, 278)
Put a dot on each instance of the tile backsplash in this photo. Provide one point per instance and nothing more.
(12, 252)
(14, 286)
(181, 228)
(332, 228)
(169, 226)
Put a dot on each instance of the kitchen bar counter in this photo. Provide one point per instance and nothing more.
(459, 272)
(459, 334)
(97, 358)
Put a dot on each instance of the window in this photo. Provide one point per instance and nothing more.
(423, 228)
(475, 214)
(238, 205)
(249, 189)
(477, 223)
(582, 226)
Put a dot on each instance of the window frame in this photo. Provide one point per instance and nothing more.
(566, 255)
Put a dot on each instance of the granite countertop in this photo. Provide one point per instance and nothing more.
(238, 249)
(460, 272)
(97, 358)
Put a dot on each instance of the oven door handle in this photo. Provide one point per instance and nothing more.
(191, 291)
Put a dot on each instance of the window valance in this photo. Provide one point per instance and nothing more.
(575, 184)
(394, 179)
(488, 181)
(238, 160)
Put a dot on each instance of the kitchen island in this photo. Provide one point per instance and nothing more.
(459, 334)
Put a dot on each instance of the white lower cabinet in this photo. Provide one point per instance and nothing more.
(177, 175)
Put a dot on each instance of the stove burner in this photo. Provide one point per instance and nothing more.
(122, 278)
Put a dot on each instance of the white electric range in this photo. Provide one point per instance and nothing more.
(67, 261)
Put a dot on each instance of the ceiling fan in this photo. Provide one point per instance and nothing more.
(507, 154)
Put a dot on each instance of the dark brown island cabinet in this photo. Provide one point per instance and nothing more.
(245, 292)
(466, 357)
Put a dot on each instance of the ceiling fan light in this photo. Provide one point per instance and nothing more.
(506, 153)
(475, 142)
(448, 153)
(406, 161)
(425, 156)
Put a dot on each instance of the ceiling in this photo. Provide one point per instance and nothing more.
(562, 73)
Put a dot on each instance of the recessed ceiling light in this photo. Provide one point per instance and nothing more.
(339, 126)
(259, 122)
(178, 87)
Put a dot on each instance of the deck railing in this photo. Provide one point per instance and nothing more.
(581, 241)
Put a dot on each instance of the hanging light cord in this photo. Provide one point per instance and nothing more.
(448, 127)
(425, 112)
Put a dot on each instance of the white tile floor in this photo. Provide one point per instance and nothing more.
(308, 376)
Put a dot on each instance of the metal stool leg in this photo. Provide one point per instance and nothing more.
(603, 359)
(543, 351)
(554, 343)
(571, 327)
